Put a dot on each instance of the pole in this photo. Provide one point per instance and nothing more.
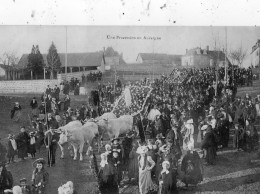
(66, 57)
(115, 85)
(226, 57)
(44, 72)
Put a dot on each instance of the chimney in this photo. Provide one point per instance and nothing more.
(186, 51)
(207, 47)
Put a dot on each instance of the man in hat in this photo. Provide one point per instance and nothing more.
(239, 138)
(16, 112)
(223, 130)
(26, 189)
(51, 141)
(209, 145)
(42, 111)
(126, 144)
(32, 146)
(141, 124)
(48, 90)
(22, 140)
(34, 106)
(57, 92)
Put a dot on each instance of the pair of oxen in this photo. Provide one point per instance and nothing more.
(92, 132)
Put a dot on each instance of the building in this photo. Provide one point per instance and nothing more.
(255, 54)
(111, 61)
(158, 58)
(8, 72)
(198, 57)
(76, 62)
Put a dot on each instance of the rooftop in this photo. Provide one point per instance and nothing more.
(161, 57)
(74, 59)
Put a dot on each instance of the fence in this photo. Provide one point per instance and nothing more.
(26, 86)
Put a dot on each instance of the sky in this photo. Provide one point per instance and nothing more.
(169, 40)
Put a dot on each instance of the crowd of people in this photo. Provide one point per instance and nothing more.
(91, 77)
(179, 112)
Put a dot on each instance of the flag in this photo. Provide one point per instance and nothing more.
(138, 97)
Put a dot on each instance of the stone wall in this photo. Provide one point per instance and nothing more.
(26, 86)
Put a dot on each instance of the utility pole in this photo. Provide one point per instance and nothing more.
(66, 57)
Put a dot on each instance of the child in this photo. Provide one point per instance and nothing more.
(167, 183)
(11, 148)
(106, 172)
(32, 147)
(117, 167)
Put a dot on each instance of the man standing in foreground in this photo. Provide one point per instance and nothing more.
(51, 141)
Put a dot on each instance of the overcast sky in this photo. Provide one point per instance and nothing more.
(171, 40)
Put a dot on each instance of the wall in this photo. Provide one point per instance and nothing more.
(187, 60)
(26, 86)
(201, 61)
(255, 57)
(112, 60)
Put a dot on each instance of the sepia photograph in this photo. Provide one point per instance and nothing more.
(129, 109)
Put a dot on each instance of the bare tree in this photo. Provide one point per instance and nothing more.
(237, 56)
(9, 59)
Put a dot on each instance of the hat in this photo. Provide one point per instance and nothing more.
(116, 138)
(107, 146)
(220, 115)
(190, 121)
(10, 136)
(115, 151)
(32, 133)
(169, 141)
(204, 127)
(40, 160)
(142, 150)
(166, 162)
(159, 136)
(23, 180)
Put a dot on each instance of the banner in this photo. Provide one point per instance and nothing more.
(132, 100)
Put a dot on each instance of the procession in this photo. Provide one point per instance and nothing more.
(159, 134)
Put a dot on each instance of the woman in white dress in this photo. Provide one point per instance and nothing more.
(145, 164)
(188, 137)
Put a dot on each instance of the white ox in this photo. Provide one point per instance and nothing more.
(115, 127)
(71, 125)
(102, 124)
(78, 136)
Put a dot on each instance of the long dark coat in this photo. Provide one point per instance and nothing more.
(192, 167)
(209, 144)
(169, 183)
(22, 141)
